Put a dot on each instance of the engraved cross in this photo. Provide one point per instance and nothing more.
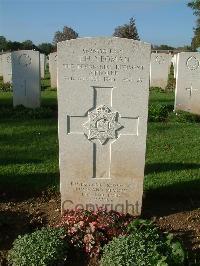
(191, 89)
(102, 129)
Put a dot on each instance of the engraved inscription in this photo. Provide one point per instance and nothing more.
(159, 59)
(8, 59)
(102, 65)
(101, 191)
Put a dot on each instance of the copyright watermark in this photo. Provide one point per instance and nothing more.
(119, 207)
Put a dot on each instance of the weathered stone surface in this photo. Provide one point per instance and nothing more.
(53, 69)
(1, 66)
(188, 82)
(103, 88)
(42, 65)
(7, 67)
(26, 78)
(159, 69)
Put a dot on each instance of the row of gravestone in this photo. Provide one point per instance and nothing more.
(103, 91)
(24, 69)
(186, 72)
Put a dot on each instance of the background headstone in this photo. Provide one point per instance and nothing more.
(103, 88)
(1, 66)
(188, 82)
(159, 69)
(7, 67)
(26, 78)
(42, 65)
(53, 69)
(174, 62)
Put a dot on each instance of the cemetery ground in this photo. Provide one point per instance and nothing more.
(29, 170)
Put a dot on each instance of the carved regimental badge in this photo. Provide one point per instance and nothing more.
(24, 60)
(192, 63)
(102, 124)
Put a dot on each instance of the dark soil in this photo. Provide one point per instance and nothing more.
(20, 216)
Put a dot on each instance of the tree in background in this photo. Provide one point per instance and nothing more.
(67, 34)
(28, 45)
(7, 45)
(195, 5)
(13, 46)
(3, 43)
(196, 39)
(162, 47)
(128, 31)
(46, 48)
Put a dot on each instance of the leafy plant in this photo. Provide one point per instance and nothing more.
(43, 247)
(145, 245)
(90, 230)
(5, 86)
(171, 84)
(159, 113)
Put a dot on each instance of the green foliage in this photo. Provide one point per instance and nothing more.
(5, 86)
(163, 47)
(159, 113)
(3, 43)
(46, 48)
(44, 247)
(67, 34)
(6, 45)
(195, 5)
(128, 31)
(171, 84)
(45, 82)
(196, 39)
(28, 45)
(181, 116)
(144, 245)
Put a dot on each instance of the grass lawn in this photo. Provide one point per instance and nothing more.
(29, 151)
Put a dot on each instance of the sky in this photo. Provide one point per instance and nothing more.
(158, 22)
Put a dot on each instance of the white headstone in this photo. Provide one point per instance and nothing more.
(103, 88)
(26, 78)
(174, 62)
(42, 65)
(188, 82)
(7, 67)
(159, 69)
(1, 66)
(53, 69)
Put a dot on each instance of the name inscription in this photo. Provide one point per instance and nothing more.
(102, 65)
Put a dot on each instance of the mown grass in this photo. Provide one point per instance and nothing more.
(29, 151)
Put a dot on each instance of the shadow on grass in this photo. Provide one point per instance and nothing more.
(170, 199)
(12, 224)
(20, 187)
(12, 161)
(166, 167)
